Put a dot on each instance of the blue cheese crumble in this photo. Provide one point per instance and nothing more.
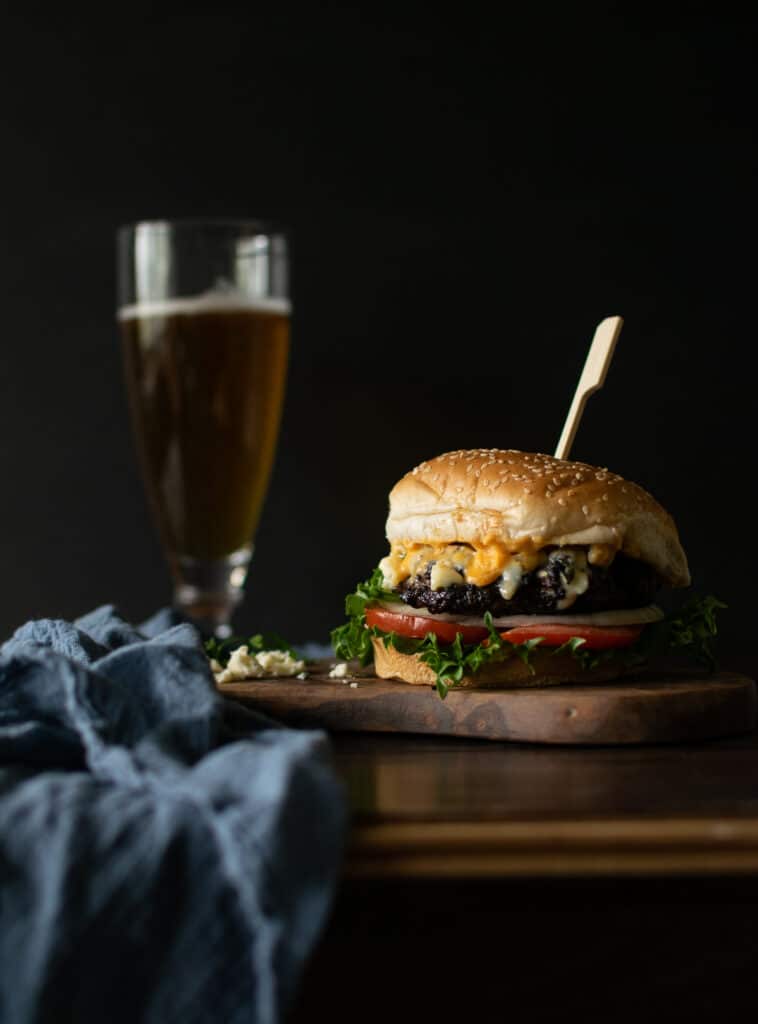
(263, 664)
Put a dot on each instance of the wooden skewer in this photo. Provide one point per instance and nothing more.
(592, 378)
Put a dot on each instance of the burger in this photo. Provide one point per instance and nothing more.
(510, 569)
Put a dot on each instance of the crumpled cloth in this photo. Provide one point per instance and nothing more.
(165, 854)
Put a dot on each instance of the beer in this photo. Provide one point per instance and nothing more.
(206, 380)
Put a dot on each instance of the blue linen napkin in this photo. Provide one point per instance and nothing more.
(165, 854)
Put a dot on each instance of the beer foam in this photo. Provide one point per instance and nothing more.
(208, 302)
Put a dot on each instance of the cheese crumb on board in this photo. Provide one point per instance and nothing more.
(339, 671)
(243, 665)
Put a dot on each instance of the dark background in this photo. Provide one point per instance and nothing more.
(467, 200)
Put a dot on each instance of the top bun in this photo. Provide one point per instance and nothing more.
(530, 501)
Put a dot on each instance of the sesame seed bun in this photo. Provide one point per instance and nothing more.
(529, 501)
(547, 669)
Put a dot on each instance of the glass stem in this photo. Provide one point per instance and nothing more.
(207, 591)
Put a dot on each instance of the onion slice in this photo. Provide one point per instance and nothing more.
(616, 617)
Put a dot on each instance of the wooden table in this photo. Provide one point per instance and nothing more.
(487, 881)
(431, 808)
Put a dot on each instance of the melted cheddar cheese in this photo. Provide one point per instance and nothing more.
(454, 563)
(482, 564)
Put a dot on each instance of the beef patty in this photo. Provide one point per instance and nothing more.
(625, 583)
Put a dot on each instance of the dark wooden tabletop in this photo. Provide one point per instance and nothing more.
(490, 880)
(433, 807)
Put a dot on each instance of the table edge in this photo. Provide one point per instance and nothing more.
(473, 849)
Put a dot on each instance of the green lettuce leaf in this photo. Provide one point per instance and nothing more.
(690, 630)
(353, 640)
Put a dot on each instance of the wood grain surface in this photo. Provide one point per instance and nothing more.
(648, 709)
(436, 807)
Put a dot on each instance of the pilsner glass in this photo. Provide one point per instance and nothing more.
(204, 314)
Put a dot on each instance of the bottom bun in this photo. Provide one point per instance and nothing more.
(546, 670)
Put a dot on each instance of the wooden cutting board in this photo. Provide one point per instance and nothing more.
(649, 708)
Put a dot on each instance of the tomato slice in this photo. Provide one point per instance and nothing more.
(597, 638)
(419, 626)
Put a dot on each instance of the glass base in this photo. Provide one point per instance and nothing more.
(207, 591)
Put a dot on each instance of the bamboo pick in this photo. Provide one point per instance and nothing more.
(592, 378)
